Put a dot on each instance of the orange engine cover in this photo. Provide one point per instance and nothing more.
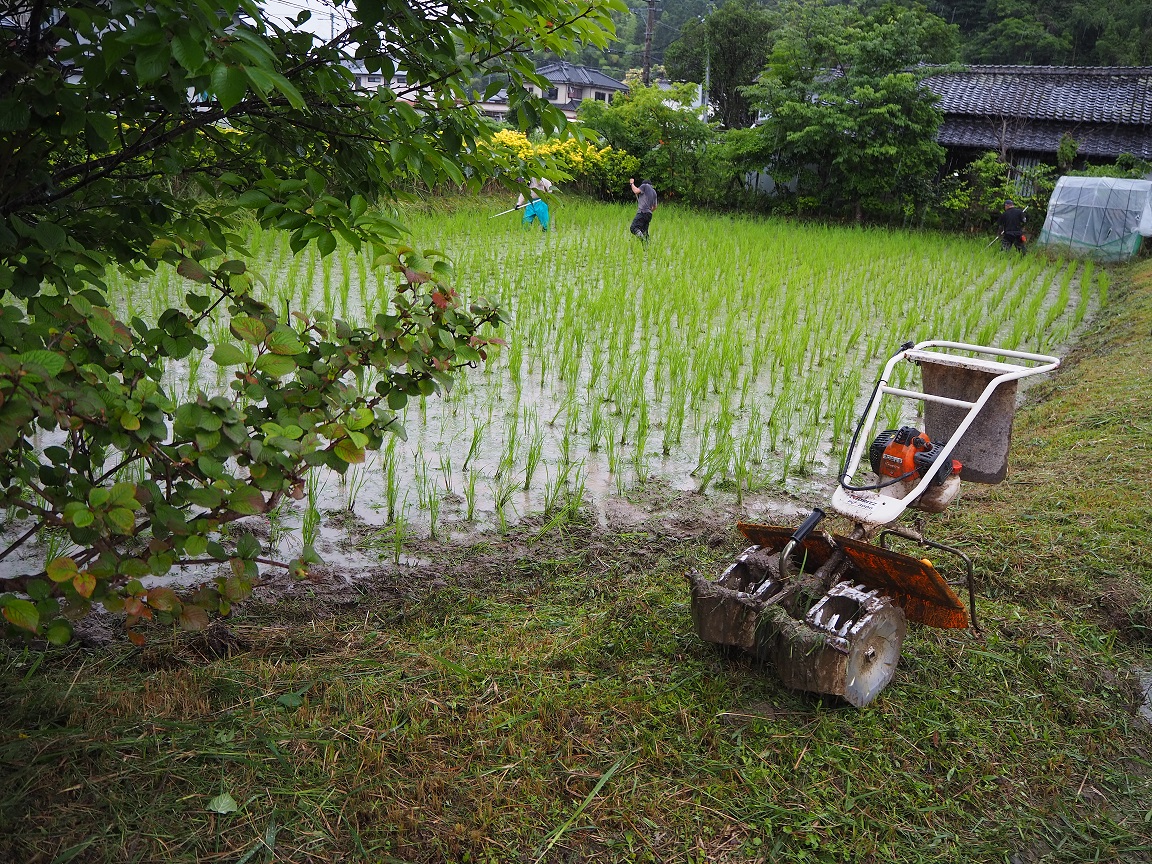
(899, 457)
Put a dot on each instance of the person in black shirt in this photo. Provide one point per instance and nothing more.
(1012, 227)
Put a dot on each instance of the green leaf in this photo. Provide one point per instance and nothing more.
(195, 546)
(14, 115)
(163, 599)
(229, 84)
(193, 617)
(61, 569)
(247, 501)
(284, 342)
(204, 496)
(226, 354)
(326, 243)
(123, 494)
(193, 270)
(253, 199)
(188, 51)
(292, 701)
(347, 450)
(121, 520)
(223, 804)
(248, 546)
(37, 589)
(21, 613)
(251, 330)
(59, 633)
(84, 583)
(52, 362)
(276, 365)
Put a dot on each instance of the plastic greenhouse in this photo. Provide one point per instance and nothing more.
(1104, 217)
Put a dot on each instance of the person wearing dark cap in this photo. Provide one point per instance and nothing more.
(1012, 227)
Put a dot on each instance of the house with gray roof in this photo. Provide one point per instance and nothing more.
(572, 84)
(1022, 112)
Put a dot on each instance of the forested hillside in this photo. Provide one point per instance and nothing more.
(1053, 32)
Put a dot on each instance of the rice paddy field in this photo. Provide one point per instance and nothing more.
(730, 355)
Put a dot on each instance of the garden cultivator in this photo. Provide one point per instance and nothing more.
(831, 611)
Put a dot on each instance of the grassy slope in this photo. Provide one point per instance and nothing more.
(469, 711)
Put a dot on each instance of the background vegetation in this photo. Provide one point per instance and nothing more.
(1029, 32)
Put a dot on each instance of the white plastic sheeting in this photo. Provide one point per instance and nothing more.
(1104, 217)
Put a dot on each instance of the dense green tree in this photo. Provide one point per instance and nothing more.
(139, 135)
(842, 119)
(1061, 32)
(659, 127)
(733, 42)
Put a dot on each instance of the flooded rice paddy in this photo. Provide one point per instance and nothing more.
(730, 356)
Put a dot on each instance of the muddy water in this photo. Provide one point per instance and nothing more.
(730, 355)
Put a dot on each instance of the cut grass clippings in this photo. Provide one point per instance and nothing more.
(545, 699)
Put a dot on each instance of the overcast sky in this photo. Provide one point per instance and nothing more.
(325, 20)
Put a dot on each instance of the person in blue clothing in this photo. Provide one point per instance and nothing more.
(535, 207)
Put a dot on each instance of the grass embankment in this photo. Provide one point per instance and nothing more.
(547, 700)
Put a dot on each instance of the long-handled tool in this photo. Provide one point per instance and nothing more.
(831, 611)
(506, 212)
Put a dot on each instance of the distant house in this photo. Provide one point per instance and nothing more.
(1022, 112)
(569, 86)
(372, 81)
(572, 84)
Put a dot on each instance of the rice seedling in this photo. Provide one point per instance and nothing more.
(502, 492)
(535, 453)
(310, 522)
(474, 447)
(353, 482)
(470, 495)
(399, 535)
(445, 457)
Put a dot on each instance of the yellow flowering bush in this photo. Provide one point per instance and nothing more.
(600, 171)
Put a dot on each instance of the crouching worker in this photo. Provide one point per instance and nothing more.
(1012, 227)
(535, 207)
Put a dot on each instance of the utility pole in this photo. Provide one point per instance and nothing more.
(707, 64)
(651, 25)
(707, 72)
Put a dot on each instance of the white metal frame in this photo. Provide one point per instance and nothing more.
(872, 509)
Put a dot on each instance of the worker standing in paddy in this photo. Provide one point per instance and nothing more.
(645, 207)
(536, 207)
(1012, 227)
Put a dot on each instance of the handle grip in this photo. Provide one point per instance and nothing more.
(806, 527)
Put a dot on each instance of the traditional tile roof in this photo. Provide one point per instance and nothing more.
(1038, 136)
(563, 72)
(1106, 109)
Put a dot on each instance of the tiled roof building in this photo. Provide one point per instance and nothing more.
(572, 84)
(1027, 109)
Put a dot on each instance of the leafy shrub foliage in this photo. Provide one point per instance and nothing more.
(138, 135)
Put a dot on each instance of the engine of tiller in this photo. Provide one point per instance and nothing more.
(901, 457)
